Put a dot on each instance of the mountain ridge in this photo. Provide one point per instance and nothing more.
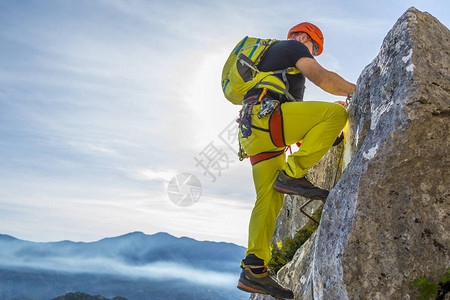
(134, 247)
(159, 264)
(129, 234)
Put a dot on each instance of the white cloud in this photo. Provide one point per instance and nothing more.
(153, 271)
(102, 104)
(151, 174)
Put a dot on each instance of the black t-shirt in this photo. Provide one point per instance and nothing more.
(282, 55)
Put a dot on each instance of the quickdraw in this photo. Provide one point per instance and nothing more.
(241, 153)
(267, 107)
(245, 119)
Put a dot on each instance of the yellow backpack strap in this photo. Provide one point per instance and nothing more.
(290, 71)
(284, 73)
(275, 84)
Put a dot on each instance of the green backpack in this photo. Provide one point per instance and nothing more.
(240, 73)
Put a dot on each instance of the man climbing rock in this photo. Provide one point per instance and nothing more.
(269, 121)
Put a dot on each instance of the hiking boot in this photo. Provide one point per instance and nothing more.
(262, 284)
(298, 186)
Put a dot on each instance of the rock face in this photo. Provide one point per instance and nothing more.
(386, 222)
(398, 209)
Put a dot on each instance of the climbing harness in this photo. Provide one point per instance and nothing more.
(267, 107)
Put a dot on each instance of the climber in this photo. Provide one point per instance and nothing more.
(315, 123)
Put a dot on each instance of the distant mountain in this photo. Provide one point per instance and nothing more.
(6, 237)
(83, 296)
(135, 265)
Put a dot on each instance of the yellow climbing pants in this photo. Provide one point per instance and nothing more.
(317, 125)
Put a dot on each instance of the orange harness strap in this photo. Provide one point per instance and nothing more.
(264, 156)
(276, 128)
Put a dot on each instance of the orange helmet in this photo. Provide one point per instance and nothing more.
(312, 30)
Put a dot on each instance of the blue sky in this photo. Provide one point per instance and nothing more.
(103, 102)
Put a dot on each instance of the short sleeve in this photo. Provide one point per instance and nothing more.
(282, 55)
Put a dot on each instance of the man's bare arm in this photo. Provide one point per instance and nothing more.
(328, 81)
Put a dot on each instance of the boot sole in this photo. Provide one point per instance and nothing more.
(290, 192)
(248, 289)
